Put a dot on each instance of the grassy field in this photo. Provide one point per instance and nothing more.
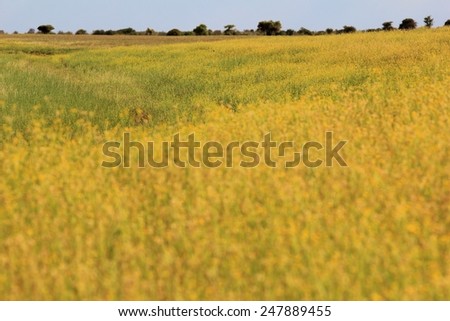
(376, 230)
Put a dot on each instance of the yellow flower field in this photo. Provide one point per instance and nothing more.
(378, 229)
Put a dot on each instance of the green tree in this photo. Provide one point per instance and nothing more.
(290, 32)
(81, 32)
(305, 32)
(387, 26)
(349, 29)
(46, 29)
(447, 23)
(269, 28)
(408, 24)
(230, 30)
(174, 32)
(149, 32)
(126, 31)
(428, 21)
(98, 32)
(201, 30)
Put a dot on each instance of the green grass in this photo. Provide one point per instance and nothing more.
(180, 81)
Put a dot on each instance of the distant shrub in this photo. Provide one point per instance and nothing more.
(329, 31)
(174, 32)
(81, 32)
(387, 26)
(98, 32)
(31, 31)
(248, 32)
(126, 31)
(230, 30)
(408, 24)
(46, 29)
(428, 21)
(201, 30)
(290, 32)
(102, 32)
(349, 29)
(447, 23)
(149, 32)
(304, 32)
(269, 28)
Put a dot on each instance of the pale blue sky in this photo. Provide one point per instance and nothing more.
(71, 15)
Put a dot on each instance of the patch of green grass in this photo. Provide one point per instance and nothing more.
(181, 81)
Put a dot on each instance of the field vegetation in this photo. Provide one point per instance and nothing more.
(376, 230)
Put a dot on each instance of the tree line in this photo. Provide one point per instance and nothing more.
(268, 28)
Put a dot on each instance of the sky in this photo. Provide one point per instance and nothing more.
(163, 15)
